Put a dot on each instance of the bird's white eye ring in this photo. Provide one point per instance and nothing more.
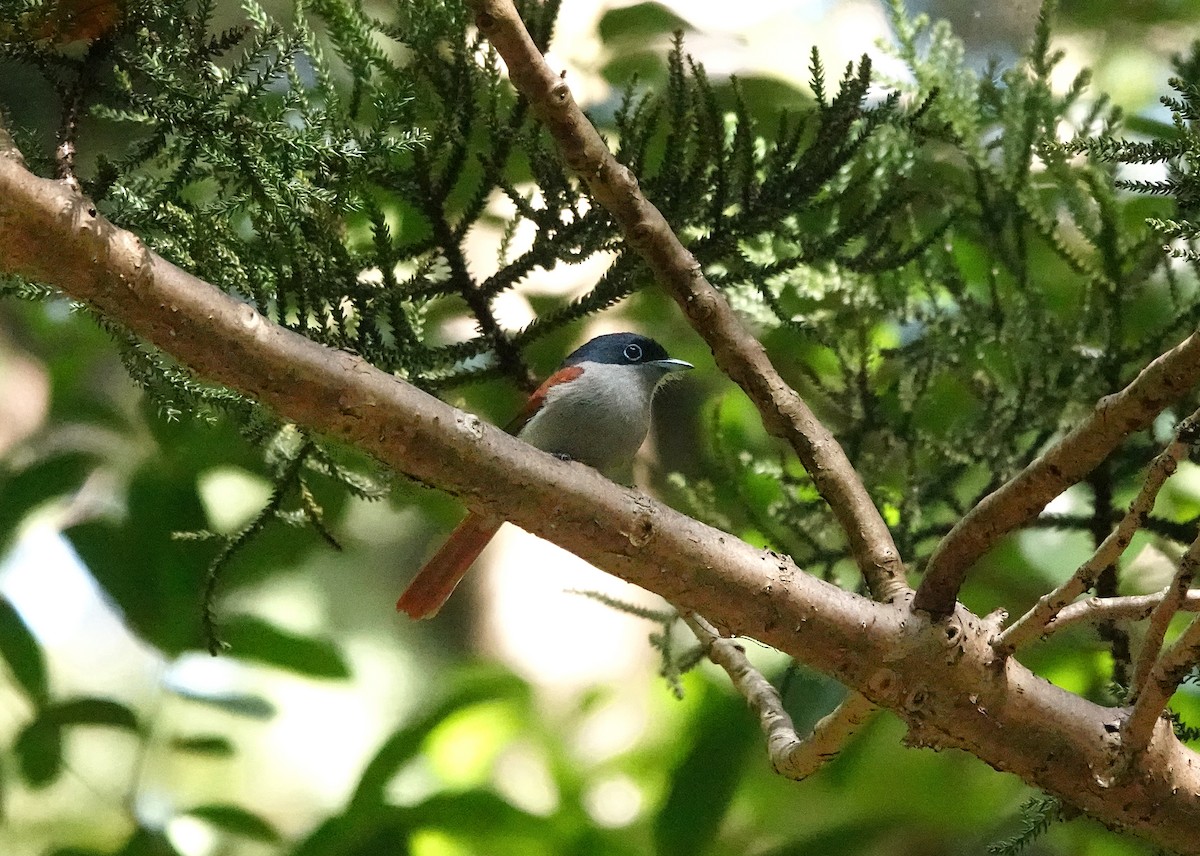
(633, 353)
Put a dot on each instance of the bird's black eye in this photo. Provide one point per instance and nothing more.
(633, 353)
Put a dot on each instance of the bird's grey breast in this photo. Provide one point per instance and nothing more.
(599, 419)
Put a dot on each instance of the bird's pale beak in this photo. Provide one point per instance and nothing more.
(673, 365)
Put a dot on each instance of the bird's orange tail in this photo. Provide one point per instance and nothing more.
(436, 581)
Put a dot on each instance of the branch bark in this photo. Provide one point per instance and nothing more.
(1171, 603)
(1146, 720)
(792, 756)
(941, 678)
(1135, 607)
(1034, 623)
(740, 355)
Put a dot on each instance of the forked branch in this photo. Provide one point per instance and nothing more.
(1037, 620)
(1166, 609)
(1023, 497)
(737, 352)
(944, 683)
(791, 755)
(1160, 684)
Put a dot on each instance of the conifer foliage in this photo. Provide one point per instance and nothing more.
(329, 171)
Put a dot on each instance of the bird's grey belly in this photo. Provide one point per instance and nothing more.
(589, 431)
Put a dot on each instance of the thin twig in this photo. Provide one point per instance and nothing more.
(737, 352)
(791, 755)
(1172, 667)
(212, 577)
(64, 153)
(73, 97)
(1130, 608)
(1034, 623)
(1180, 531)
(1020, 499)
(1161, 617)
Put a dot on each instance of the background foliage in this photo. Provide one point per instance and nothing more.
(939, 254)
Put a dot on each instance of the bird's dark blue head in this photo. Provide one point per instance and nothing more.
(620, 349)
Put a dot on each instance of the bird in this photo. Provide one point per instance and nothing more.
(594, 409)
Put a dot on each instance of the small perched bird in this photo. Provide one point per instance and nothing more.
(594, 409)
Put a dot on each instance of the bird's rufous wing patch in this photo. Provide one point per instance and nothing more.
(563, 375)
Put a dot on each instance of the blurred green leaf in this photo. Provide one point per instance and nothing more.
(39, 752)
(636, 35)
(332, 836)
(238, 704)
(492, 825)
(640, 22)
(20, 649)
(469, 812)
(146, 842)
(24, 489)
(1151, 127)
(702, 785)
(843, 839)
(1106, 13)
(628, 65)
(470, 688)
(142, 842)
(204, 745)
(92, 711)
(252, 638)
(762, 97)
(137, 562)
(39, 746)
(231, 818)
(151, 573)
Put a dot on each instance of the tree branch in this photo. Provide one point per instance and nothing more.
(1131, 608)
(737, 353)
(1172, 601)
(1146, 719)
(941, 678)
(1018, 501)
(791, 755)
(1033, 624)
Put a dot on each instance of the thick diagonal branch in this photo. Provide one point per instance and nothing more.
(1022, 498)
(735, 350)
(941, 678)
